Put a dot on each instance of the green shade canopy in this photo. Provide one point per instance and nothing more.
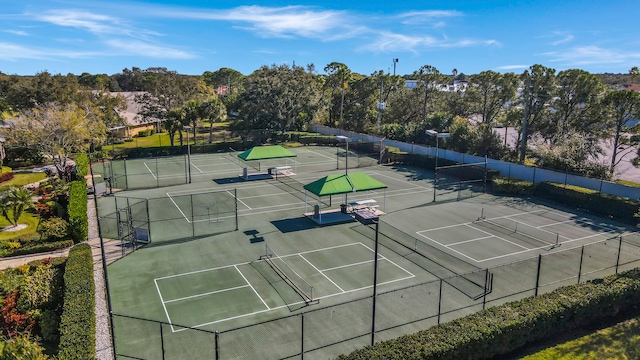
(266, 152)
(343, 184)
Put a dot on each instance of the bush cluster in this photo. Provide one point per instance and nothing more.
(77, 322)
(77, 210)
(145, 133)
(82, 166)
(508, 186)
(39, 247)
(611, 206)
(502, 329)
(6, 176)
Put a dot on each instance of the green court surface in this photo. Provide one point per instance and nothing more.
(202, 289)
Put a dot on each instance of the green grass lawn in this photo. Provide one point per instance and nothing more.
(621, 341)
(20, 179)
(29, 218)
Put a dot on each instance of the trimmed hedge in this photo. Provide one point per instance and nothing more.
(82, 166)
(78, 323)
(614, 207)
(77, 210)
(509, 186)
(502, 329)
(41, 247)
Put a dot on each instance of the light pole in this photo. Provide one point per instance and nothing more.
(395, 61)
(187, 128)
(437, 135)
(368, 220)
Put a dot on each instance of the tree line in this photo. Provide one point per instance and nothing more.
(560, 118)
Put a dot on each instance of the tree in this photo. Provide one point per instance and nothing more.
(428, 80)
(57, 131)
(336, 82)
(576, 92)
(494, 91)
(538, 86)
(213, 110)
(279, 98)
(14, 202)
(228, 81)
(623, 105)
(173, 123)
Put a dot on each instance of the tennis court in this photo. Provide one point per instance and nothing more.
(234, 269)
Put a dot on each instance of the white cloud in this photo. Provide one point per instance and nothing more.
(565, 39)
(592, 55)
(13, 52)
(513, 67)
(389, 42)
(17, 32)
(428, 16)
(148, 50)
(282, 22)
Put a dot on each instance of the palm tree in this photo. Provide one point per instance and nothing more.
(15, 201)
(213, 110)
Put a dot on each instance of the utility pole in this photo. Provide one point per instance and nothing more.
(380, 105)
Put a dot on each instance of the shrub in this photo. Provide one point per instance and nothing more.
(21, 347)
(12, 321)
(82, 165)
(509, 186)
(6, 176)
(53, 229)
(77, 323)
(77, 210)
(34, 248)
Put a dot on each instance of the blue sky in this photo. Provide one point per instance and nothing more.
(195, 36)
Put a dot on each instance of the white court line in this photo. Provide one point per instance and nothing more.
(163, 306)
(348, 265)
(501, 238)
(194, 165)
(151, 172)
(471, 240)
(206, 294)
(252, 288)
(239, 200)
(321, 273)
(323, 155)
(389, 260)
(178, 207)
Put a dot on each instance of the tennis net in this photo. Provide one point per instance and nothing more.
(301, 286)
(517, 229)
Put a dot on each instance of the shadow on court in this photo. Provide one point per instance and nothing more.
(293, 225)
(231, 180)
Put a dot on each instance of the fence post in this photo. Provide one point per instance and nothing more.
(235, 197)
(618, 258)
(538, 274)
(302, 336)
(439, 301)
(148, 219)
(217, 345)
(126, 177)
(157, 174)
(193, 221)
(162, 340)
(486, 286)
(580, 267)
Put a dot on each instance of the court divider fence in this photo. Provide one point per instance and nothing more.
(170, 218)
(161, 171)
(342, 328)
